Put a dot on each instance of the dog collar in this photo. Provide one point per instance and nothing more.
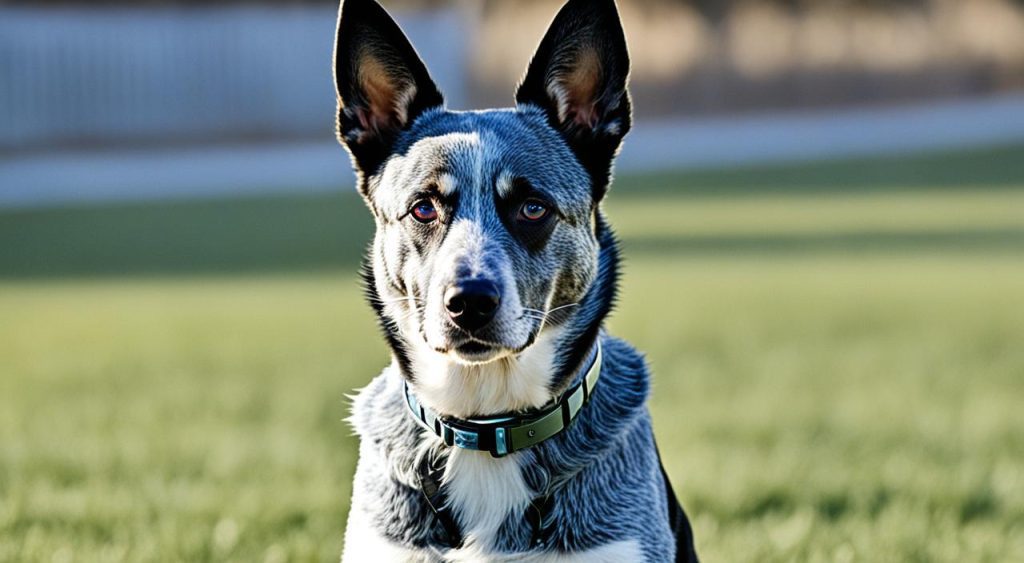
(502, 435)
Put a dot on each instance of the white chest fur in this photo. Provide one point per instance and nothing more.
(482, 492)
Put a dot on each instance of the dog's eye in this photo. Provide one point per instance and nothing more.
(424, 211)
(533, 210)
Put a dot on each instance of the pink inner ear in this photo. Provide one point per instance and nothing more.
(385, 97)
(580, 89)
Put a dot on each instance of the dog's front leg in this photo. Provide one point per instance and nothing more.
(364, 543)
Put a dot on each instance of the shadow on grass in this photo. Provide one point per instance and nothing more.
(202, 237)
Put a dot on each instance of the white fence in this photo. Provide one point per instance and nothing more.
(55, 179)
(102, 73)
(136, 76)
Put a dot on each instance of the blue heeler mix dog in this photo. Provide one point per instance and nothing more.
(510, 426)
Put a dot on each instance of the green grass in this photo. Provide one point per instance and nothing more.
(838, 366)
(880, 200)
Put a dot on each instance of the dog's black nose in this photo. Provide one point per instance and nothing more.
(472, 304)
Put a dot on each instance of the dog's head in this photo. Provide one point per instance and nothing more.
(488, 224)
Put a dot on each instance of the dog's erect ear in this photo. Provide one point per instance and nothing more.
(382, 84)
(578, 76)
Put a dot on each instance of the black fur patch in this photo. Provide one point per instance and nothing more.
(533, 235)
(387, 325)
(584, 31)
(369, 42)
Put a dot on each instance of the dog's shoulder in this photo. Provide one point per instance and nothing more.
(385, 429)
(379, 396)
(623, 361)
(623, 388)
(389, 518)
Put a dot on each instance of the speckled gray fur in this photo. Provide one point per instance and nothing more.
(473, 174)
(604, 471)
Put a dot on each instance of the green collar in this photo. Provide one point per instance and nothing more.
(504, 434)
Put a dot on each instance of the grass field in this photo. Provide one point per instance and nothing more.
(837, 349)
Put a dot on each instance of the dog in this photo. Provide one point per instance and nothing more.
(510, 426)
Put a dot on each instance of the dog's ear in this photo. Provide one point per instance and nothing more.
(578, 76)
(382, 84)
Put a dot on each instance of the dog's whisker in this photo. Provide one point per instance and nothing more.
(543, 316)
(411, 314)
(550, 311)
(408, 299)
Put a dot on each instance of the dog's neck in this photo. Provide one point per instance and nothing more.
(381, 416)
(510, 384)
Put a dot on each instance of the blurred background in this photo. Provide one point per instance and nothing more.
(822, 210)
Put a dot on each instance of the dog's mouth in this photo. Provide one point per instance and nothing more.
(474, 350)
